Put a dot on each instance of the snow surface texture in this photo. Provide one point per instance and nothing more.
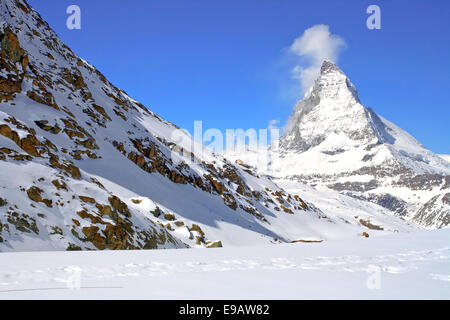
(84, 166)
(398, 266)
(333, 143)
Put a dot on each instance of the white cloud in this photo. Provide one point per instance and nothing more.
(315, 45)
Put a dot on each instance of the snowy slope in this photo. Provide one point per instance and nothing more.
(84, 166)
(333, 143)
(349, 209)
(446, 157)
(398, 266)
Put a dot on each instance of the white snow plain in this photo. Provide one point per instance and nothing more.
(397, 266)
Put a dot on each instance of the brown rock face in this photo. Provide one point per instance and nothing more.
(197, 228)
(119, 205)
(104, 210)
(43, 124)
(218, 186)
(70, 168)
(29, 145)
(10, 86)
(89, 143)
(34, 193)
(93, 236)
(5, 131)
(287, 210)
(43, 97)
(102, 111)
(169, 217)
(74, 78)
(87, 199)
(112, 238)
(11, 47)
(3, 202)
(116, 237)
(25, 8)
(59, 184)
(215, 244)
(12, 56)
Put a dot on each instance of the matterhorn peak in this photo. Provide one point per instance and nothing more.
(333, 83)
(328, 66)
(331, 106)
(331, 117)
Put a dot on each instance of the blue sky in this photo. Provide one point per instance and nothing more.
(227, 62)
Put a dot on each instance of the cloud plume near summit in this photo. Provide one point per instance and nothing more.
(314, 46)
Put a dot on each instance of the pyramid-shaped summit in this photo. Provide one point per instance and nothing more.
(328, 66)
(330, 118)
(331, 109)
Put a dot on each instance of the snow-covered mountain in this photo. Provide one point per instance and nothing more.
(333, 143)
(84, 166)
(446, 157)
